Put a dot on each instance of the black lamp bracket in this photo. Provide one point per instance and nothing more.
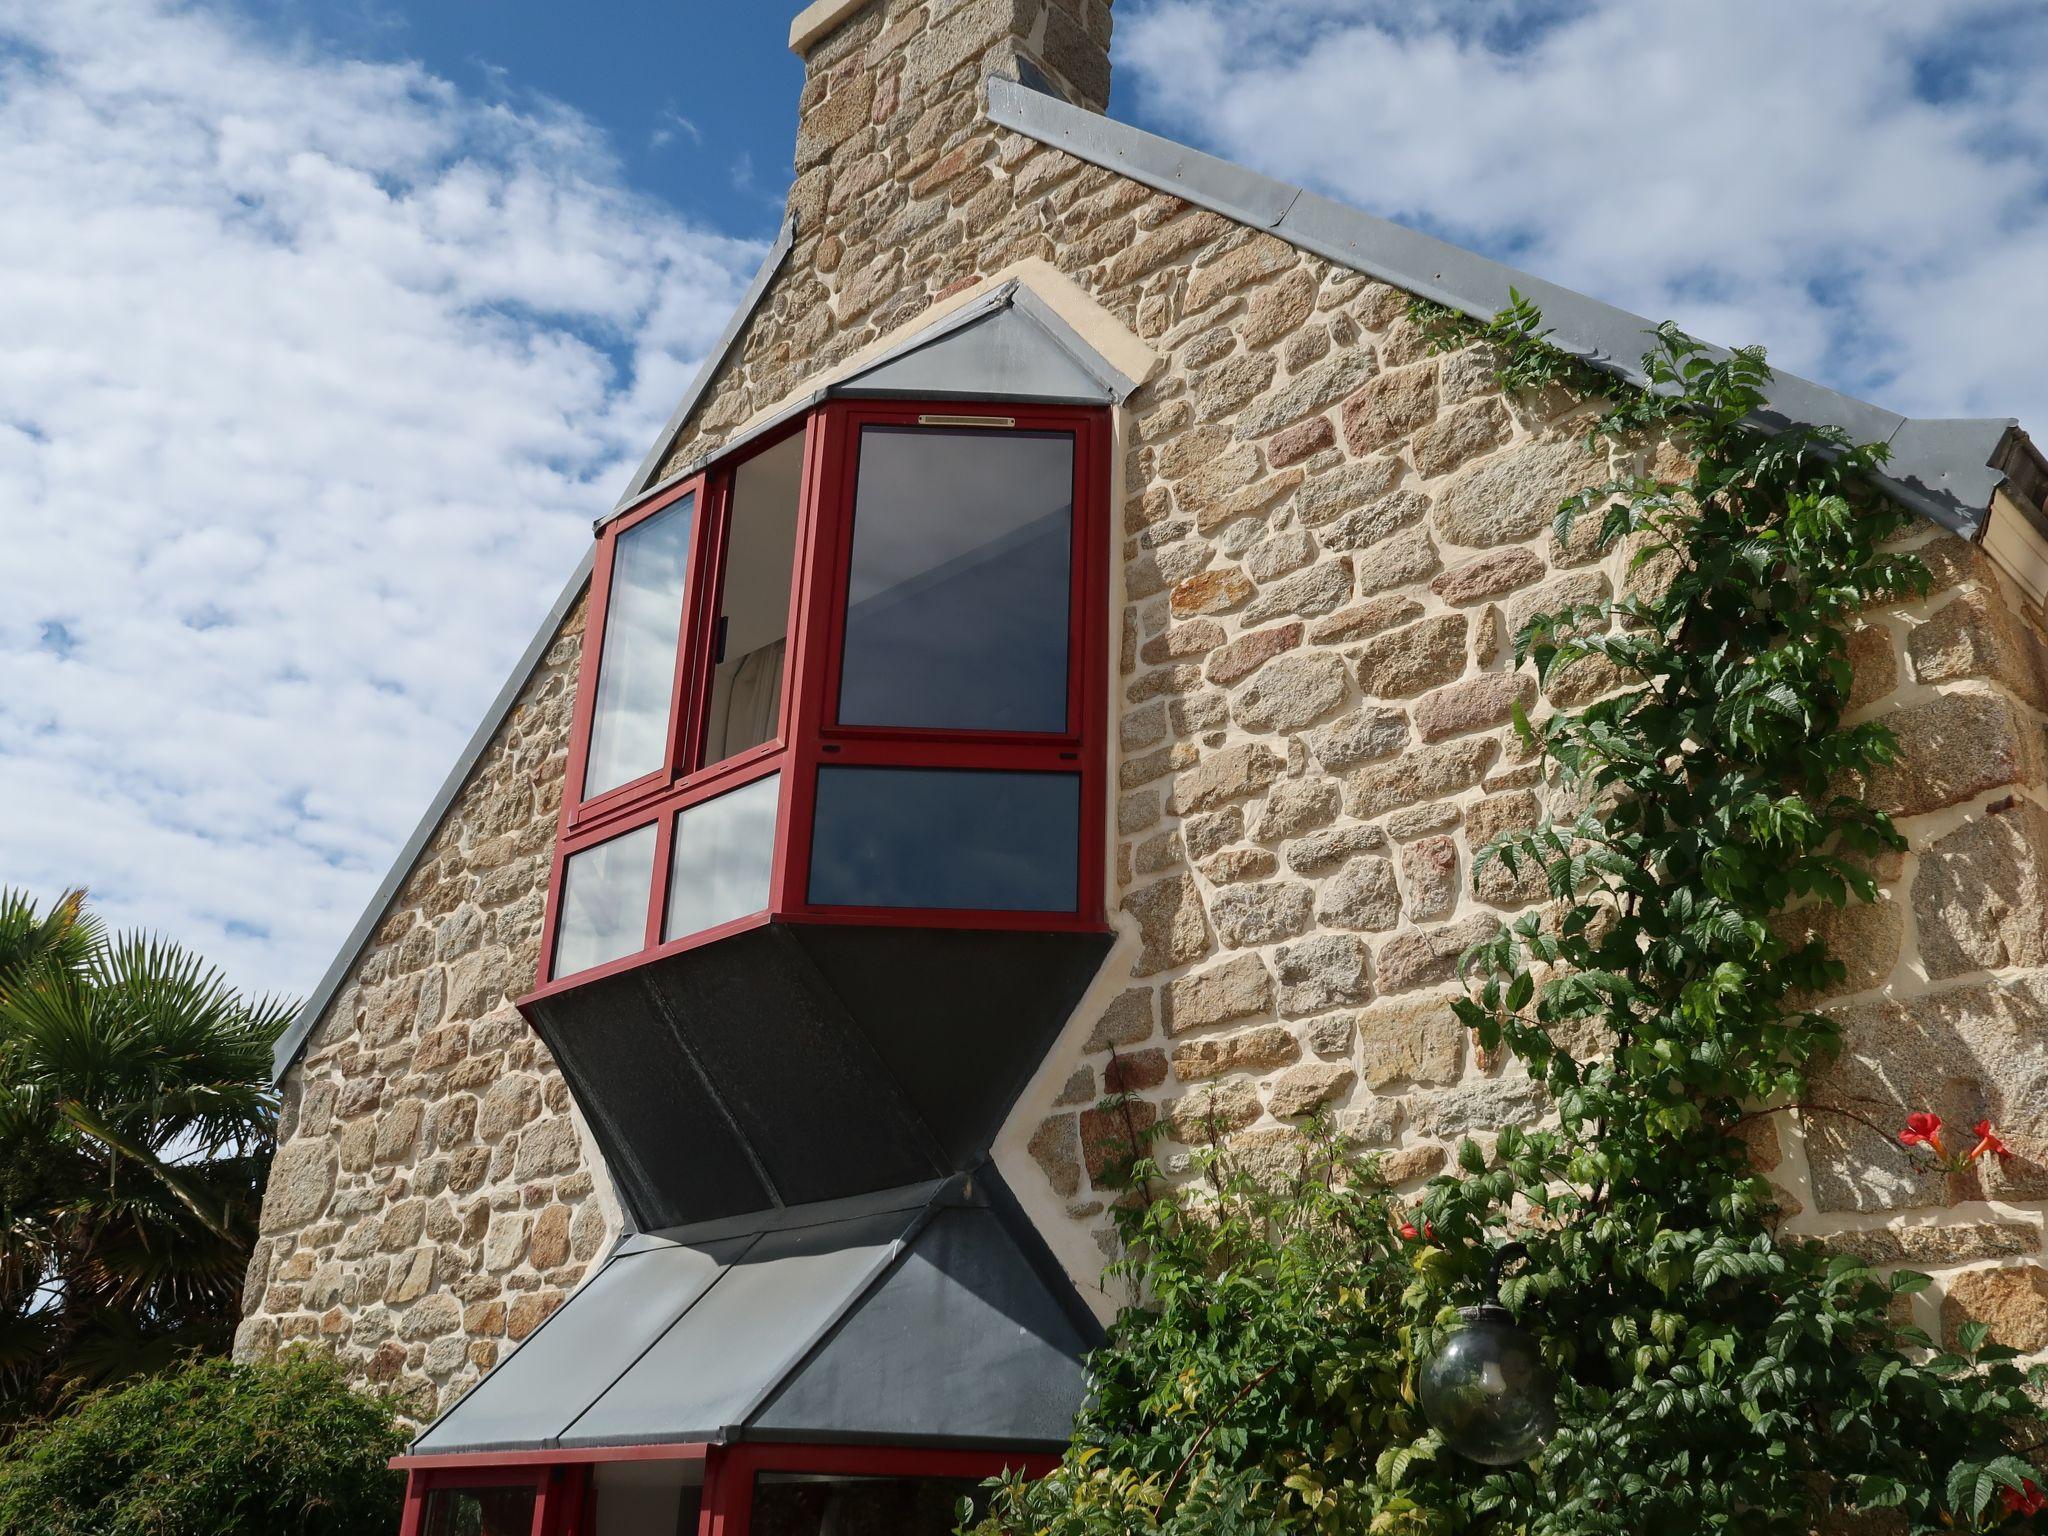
(1491, 1308)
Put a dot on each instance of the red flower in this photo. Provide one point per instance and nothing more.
(1408, 1230)
(1923, 1130)
(1987, 1141)
(2025, 1501)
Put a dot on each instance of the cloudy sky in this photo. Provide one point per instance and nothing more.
(325, 328)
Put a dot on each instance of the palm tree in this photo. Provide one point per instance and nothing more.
(136, 1121)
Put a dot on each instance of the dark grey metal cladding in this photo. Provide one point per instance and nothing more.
(1943, 470)
(930, 1314)
(717, 1083)
(649, 1106)
(796, 1064)
(962, 1341)
(546, 1384)
(811, 1099)
(963, 1038)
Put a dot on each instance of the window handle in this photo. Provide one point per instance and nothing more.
(718, 644)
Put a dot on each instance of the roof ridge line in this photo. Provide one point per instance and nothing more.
(1948, 478)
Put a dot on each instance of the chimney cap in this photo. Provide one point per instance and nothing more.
(817, 19)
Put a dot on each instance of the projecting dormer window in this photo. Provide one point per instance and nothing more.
(856, 672)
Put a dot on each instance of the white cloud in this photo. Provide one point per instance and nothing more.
(1858, 184)
(311, 383)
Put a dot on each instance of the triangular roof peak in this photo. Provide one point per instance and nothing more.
(1028, 333)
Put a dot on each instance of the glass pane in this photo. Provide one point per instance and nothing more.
(479, 1512)
(792, 1504)
(924, 837)
(753, 607)
(636, 672)
(724, 850)
(604, 902)
(648, 1498)
(957, 602)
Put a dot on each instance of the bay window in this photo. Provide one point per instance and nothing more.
(854, 673)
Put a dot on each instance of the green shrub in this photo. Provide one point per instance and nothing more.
(210, 1448)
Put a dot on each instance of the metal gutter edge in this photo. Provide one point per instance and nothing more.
(1937, 470)
(286, 1051)
(1112, 378)
(713, 361)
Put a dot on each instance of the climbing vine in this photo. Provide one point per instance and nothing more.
(1714, 1374)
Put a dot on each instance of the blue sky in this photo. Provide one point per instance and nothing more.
(331, 324)
(696, 96)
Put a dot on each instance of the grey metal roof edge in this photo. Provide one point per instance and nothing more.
(1934, 469)
(289, 1044)
(1947, 470)
(790, 1218)
(713, 361)
(1112, 378)
(747, 1434)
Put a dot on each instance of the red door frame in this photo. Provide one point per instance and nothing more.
(567, 1489)
(562, 1497)
(809, 736)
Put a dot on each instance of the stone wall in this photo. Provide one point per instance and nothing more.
(1327, 538)
(432, 1200)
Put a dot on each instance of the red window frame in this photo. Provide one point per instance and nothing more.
(809, 736)
(561, 1505)
(568, 1495)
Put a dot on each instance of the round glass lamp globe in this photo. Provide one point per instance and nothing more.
(1488, 1392)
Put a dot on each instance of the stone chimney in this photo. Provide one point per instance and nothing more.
(905, 76)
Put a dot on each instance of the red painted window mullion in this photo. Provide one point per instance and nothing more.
(685, 684)
(657, 887)
(586, 676)
(819, 534)
(708, 566)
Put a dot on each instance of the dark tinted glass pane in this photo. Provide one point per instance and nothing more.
(923, 837)
(753, 606)
(479, 1512)
(724, 851)
(957, 603)
(604, 902)
(636, 671)
(786, 1504)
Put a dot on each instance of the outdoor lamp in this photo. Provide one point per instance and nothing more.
(1487, 1390)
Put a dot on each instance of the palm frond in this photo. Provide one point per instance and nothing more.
(35, 944)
